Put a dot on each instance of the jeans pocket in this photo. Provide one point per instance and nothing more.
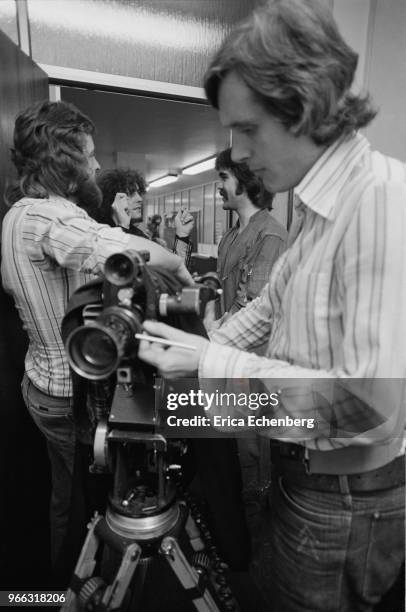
(308, 504)
(385, 554)
(57, 426)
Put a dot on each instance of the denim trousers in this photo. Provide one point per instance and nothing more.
(332, 552)
(53, 416)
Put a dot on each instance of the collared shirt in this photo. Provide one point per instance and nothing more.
(335, 305)
(49, 249)
(245, 258)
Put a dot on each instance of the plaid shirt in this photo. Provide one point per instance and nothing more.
(335, 305)
(49, 249)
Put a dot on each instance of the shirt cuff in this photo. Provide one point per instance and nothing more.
(218, 361)
(185, 239)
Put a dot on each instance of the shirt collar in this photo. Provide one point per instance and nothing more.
(257, 216)
(320, 188)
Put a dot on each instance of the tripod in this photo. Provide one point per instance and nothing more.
(170, 533)
(144, 519)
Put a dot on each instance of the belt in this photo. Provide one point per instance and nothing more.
(290, 461)
(347, 460)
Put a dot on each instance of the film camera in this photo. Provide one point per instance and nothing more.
(120, 412)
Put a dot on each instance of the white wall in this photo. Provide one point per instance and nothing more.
(376, 29)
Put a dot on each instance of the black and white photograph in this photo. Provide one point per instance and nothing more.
(203, 305)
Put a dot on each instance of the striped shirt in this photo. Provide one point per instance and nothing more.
(183, 248)
(335, 304)
(49, 249)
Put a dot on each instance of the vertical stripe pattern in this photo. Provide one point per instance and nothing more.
(49, 249)
(335, 304)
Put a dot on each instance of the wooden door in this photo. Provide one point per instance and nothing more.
(24, 471)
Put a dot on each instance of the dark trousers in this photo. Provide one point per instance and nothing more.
(332, 551)
(53, 416)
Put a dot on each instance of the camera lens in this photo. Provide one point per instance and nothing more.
(122, 269)
(98, 349)
(93, 352)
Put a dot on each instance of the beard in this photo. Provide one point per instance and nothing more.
(89, 197)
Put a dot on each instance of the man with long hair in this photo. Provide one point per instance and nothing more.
(334, 311)
(248, 250)
(50, 247)
(246, 255)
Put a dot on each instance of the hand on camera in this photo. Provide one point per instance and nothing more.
(184, 223)
(119, 211)
(172, 362)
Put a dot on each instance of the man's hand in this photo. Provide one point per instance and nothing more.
(184, 223)
(119, 211)
(172, 362)
(209, 321)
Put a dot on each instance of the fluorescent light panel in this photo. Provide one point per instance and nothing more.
(207, 164)
(165, 180)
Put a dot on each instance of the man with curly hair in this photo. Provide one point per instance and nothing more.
(333, 312)
(50, 247)
(123, 193)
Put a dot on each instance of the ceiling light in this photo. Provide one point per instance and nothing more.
(164, 180)
(207, 164)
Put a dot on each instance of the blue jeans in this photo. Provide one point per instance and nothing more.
(332, 552)
(53, 416)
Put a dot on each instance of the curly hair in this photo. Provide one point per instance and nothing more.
(120, 180)
(293, 58)
(253, 185)
(48, 150)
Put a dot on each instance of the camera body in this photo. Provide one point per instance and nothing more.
(131, 293)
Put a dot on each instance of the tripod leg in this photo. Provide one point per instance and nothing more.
(188, 576)
(115, 592)
(85, 565)
(193, 533)
(84, 585)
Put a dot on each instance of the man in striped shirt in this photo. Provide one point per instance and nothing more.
(50, 247)
(334, 311)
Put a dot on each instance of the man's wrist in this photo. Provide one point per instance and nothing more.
(182, 238)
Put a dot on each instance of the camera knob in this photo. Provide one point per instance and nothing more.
(174, 467)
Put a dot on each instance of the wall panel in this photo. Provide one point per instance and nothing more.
(161, 40)
(387, 77)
